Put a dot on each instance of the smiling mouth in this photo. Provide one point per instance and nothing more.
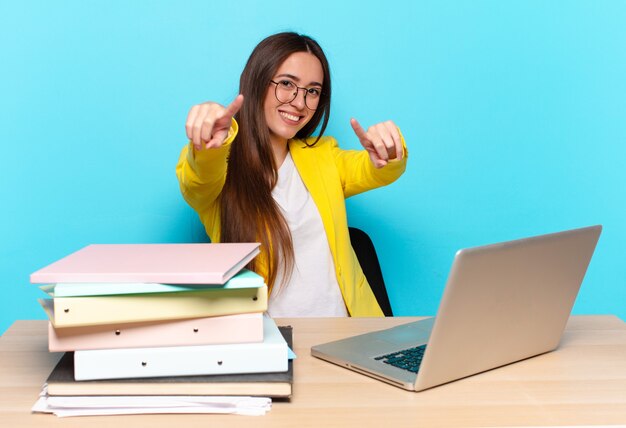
(290, 118)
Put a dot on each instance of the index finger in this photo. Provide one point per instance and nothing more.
(233, 107)
(358, 130)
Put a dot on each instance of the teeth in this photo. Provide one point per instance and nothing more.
(290, 116)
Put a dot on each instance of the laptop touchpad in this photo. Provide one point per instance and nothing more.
(410, 334)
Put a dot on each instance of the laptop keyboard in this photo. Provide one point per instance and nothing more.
(407, 359)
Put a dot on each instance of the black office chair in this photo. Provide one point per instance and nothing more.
(366, 254)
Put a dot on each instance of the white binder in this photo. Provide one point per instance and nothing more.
(271, 355)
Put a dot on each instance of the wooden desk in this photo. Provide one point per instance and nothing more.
(583, 382)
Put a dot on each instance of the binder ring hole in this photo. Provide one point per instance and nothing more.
(144, 363)
(117, 332)
(255, 298)
(219, 363)
(66, 310)
(195, 330)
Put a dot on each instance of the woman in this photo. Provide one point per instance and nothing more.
(253, 173)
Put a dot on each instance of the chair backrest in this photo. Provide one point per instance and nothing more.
(368, 259)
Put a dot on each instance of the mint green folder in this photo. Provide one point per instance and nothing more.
(244, 279)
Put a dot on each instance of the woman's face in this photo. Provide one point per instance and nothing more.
(285, 119)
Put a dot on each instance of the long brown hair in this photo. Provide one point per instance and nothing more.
(248, 210)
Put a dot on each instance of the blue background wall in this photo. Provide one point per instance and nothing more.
(515, 114)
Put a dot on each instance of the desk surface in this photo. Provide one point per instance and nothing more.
(582, 383)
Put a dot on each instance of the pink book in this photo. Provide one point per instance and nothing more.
(240, 328)
(159, 263)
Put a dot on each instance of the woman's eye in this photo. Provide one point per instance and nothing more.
(286, 84)
(314, 92)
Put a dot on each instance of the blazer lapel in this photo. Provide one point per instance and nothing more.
(312, 173)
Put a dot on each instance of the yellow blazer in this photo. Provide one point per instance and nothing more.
(328, 172)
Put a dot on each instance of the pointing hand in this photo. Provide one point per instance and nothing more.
(382, 141)
(208, 123)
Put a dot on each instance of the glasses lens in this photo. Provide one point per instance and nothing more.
(312, 98)
(286, 91)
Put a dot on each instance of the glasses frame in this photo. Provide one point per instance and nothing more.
(295, 95)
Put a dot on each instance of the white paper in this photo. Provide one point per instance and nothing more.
(126, 405)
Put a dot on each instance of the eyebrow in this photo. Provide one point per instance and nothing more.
(297, 79)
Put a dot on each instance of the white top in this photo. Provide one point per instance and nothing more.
(312, 290)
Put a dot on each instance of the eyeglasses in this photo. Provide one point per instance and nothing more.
(286, 91)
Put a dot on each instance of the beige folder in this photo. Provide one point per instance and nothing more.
(83, 311)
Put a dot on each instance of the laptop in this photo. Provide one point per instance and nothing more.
(502, 303)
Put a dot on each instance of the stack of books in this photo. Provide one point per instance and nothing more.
(163, 319)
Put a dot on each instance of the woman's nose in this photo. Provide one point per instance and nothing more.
(299, 101)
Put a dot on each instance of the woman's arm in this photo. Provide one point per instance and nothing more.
(201, 174)
(201, 168)
(382, 162)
